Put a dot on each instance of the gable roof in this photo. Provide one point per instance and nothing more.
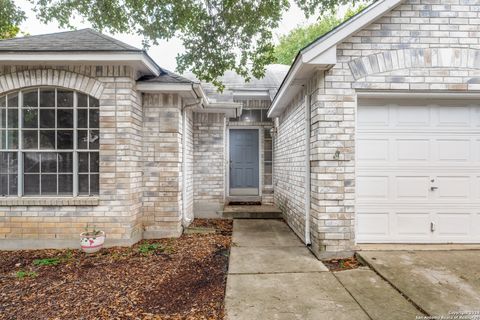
(68, 41)
(322, 53)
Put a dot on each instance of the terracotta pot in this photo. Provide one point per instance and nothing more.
(91, 243)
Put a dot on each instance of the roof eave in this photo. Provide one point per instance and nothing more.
(139, 59)
(321, 54)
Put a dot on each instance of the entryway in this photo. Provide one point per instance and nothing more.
(244, 162)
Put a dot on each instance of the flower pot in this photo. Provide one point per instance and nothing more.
(90, 242)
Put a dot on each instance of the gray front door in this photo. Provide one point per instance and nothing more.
(243, 162)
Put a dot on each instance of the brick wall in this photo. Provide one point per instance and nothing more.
(209, 159)
(422, 45)
(162, 151)
(56, 222)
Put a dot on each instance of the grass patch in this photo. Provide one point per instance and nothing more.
(46, 262)
(26, 274)
(151, 248)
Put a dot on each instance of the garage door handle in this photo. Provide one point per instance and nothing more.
(433, 188)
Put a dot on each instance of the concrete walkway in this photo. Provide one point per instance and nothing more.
(273, 276)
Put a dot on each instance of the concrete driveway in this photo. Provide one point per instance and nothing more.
(438, 282)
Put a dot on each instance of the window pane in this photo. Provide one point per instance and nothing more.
(30, 99)
(94, 139)
(31, 184)
(82, 162)
(82, 118)
(13, 184)
(12, 118)
(64, 139)
(268, 156)
(30, 118)
(49, 162)
(82, 139)
(4, 185)
(94, 167)
(64, 99)
(94, 103)
(3, 102)
(30, 139)
(49, 184)
(94, 118)
(47, 139)
(12, 139)
(268, 145)
(268, 168)
(267, 180)
(245, 115)
(65, 162)
(47, 98)
(93, 184)
(3, 118)
(4, 162)
(3, 139)
(47, 118)
(31, 162)
(83, 184)
(65, 184)
(82, 100)
(64, 118)
(12, 101)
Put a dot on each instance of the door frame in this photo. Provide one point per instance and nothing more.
(227, 159)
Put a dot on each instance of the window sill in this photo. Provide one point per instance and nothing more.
(49, 201)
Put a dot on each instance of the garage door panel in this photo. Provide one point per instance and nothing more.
(412, 116)
(412, 149)
(453, 116)
(453, 150)
(371, 187)
(411, 224)
(400, 149)
(452, 224)
(374, 117)
(453, 188)
(372, 149)
(412, 188)
(373, 224)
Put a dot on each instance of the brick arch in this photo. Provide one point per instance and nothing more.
(414, 58)
(51, 77)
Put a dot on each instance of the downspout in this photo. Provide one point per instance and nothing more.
(199, 101)
(307, 168)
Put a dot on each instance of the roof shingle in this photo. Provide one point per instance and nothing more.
(69, 41)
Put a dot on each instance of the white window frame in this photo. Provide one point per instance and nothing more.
(21, 151)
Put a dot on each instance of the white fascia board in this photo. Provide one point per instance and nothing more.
(251, 94)
(76, 57)
(323, 54)
(163, 87)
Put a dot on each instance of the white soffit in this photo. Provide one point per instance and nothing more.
(322, 53)
(141, 61)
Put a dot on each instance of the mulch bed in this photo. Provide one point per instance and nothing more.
(180, 278)
(342, 264)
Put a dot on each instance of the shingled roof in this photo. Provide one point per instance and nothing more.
(70, 41)
(165, 76)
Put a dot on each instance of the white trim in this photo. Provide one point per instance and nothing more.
(140, 57)
(417, 95)
(319, 54)
(165, 87)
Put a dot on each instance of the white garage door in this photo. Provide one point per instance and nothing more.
(418, 171)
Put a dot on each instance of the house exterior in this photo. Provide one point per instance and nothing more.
(371, 136)
(377, 136)
(93, 132)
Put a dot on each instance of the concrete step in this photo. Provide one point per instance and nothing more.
(251, 212)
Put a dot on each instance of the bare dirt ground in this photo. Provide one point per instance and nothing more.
(180, 278)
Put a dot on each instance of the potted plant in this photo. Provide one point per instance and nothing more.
(92, 240)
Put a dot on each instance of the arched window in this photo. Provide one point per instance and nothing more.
(49, 142)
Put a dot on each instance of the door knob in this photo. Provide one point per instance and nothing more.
(433, 188)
